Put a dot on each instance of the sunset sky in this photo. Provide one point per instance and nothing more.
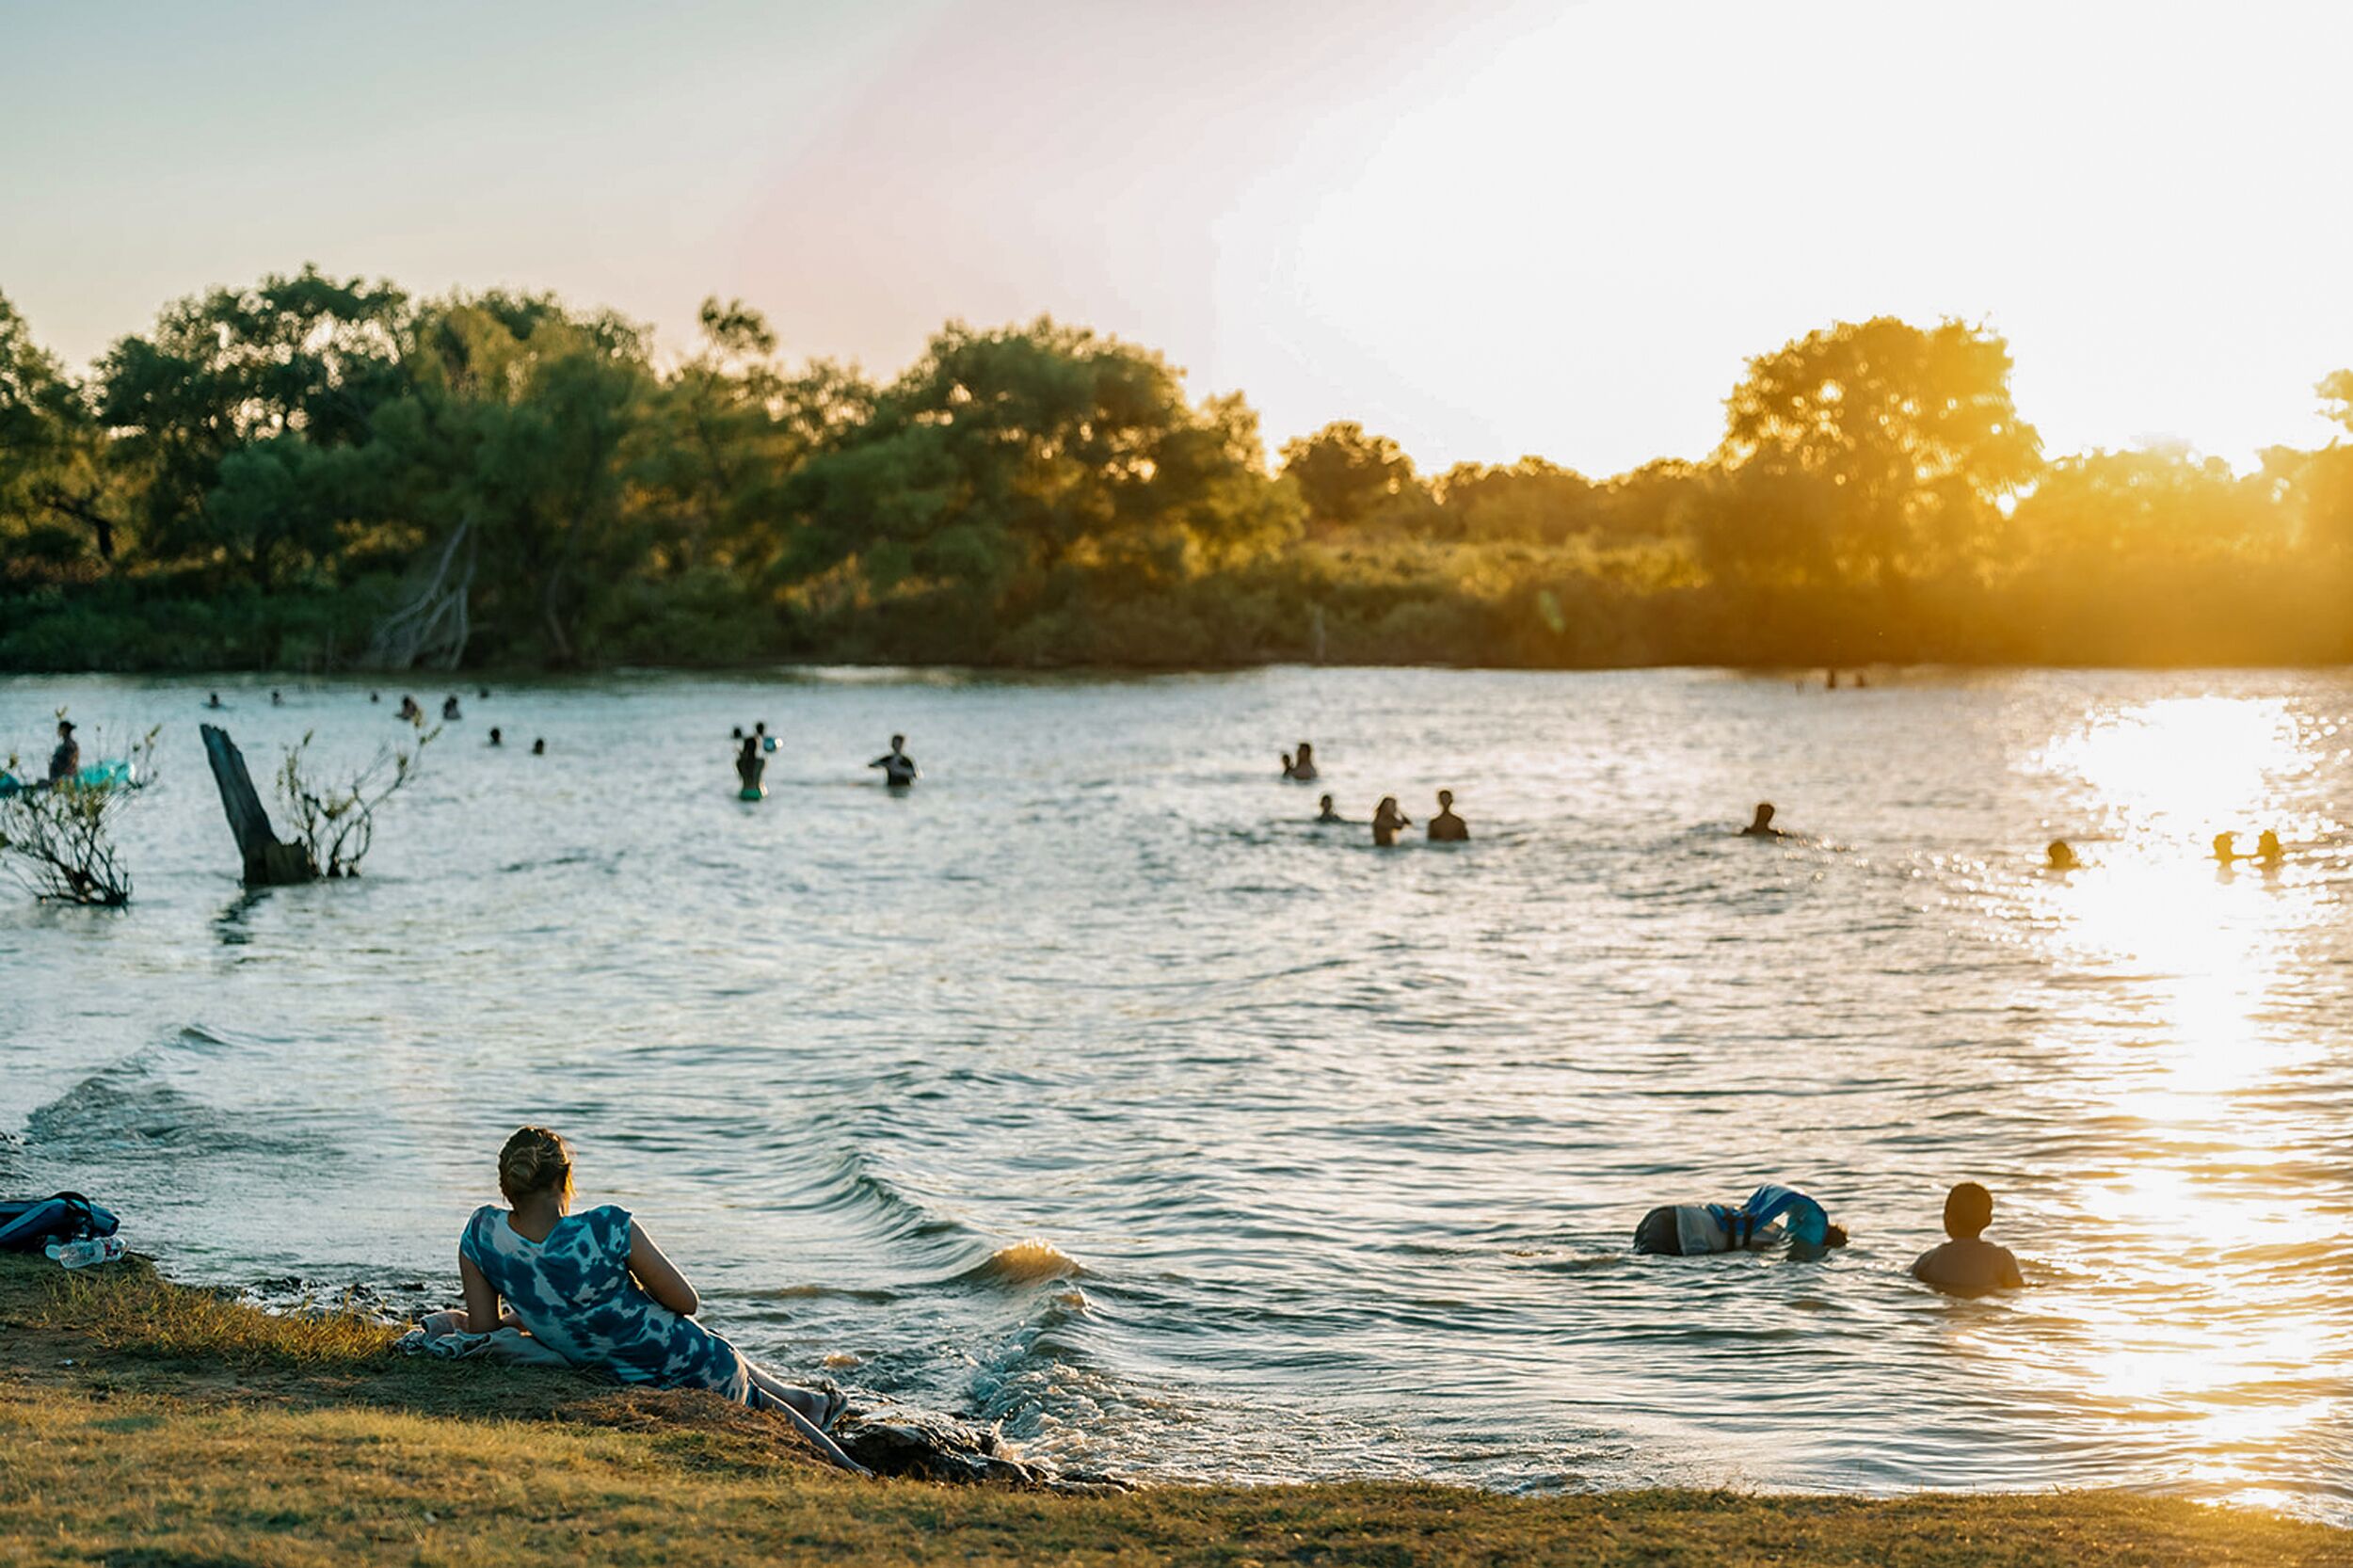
(1486, 228)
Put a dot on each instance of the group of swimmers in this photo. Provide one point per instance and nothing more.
(1965, 1264)
(2060, 855)
(1447, 827)
(751, 761)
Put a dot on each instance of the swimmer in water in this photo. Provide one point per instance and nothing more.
(2226, 849)
(1446, 827)
(1324, 813)
(1762, 828)
(214, 701)
(2060, 858)
(449, 707)
(750, 766)
(1692, 1229)
(1304, 770)
(1968, 1265)
(2269, 849)
(495, 738)
(1387, 820)
(539, 746)
(897, 766)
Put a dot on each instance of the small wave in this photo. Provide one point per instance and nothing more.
(1030, 1262)
(97, 1115)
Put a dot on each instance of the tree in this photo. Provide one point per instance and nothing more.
(55, 510)
(2153, 507)
(1531, 500)
(302, 361)
(1346, 476)
(1907, 436)
(1014, 455)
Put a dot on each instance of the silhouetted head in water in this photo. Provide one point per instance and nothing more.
(1835, 1236)
(1446, 827)
(1289, 768)
(1324, 812)
(2060, 858)
(213, 701)
(376, 696)
(2224, 850)
(1968, 1209)
(1762, 826)
(1304, 766)
(2269, 849)
(539, 748)
(736, 734)
(277, 699)
(495, 738)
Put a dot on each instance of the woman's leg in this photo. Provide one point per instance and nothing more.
(802, 1401)
(762, 1399)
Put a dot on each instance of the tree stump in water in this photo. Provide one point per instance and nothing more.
(269, 861)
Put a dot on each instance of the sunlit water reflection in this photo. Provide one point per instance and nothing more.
(1091, 1089)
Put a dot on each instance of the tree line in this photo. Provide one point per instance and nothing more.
(317, 473)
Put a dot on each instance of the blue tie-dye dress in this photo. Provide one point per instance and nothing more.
(573, 1292)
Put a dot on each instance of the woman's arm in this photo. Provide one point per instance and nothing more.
(482, 1301)
(659, 1275)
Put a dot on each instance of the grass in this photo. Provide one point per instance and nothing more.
(146, 1423)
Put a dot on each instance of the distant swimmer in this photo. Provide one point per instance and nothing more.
(751, 768)
(376, 696)
(65, 760)
(539, 746)
(1301, 771)
(2226, 848)
(1762, 828)
(2059, 856)
(495, 738)
(214, 701)
(897, 766)
(1446, 827)
(277, 699)
(1968, 1265)
(449, 707)
(2269, 849)
(1387, 820)
(410, 710)
(1692, 1229)
(482, 692)
(1325, 813)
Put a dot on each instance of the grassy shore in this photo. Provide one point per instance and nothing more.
(143, 1422)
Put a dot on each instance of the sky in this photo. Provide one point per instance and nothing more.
(1486, 227)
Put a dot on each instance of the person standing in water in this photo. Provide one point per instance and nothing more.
(1387, 820)
(449, 707)
(495, 738)
(1762, 826)
(539, 746)
(1325, 813)
(1302, 770)
(1446, 827)
(751, 768)
(1696, 1230)
(897, 766)
(2226, 848)
(1968, 1265)
(2059, 856)
(65, 760)
(2269, 849)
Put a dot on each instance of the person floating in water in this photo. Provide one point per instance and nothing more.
(897, 766)
(2269, 849)
(1691, 1229)
(1302, 769)
(449, 707)
(2060, 856)
(495, 738)
(1387, 820)
(1326, 813)
(596, 1290)
(214, 701)
(1762, 826)
(1446, 827)
(1968, 1265)
(65, 760)
(539, 746)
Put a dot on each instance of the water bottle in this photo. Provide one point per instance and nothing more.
(89, 1249)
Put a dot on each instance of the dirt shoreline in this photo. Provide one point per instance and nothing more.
(147, 1422)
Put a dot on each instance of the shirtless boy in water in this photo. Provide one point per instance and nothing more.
(1968, 1265)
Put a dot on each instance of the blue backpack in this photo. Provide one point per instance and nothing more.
(29, 1224)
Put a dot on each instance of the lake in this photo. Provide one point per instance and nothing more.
(1089, 1088)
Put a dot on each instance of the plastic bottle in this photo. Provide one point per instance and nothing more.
(89, 1250)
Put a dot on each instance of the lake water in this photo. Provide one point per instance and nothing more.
(1088, 1088)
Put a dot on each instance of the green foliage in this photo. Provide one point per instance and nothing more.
(312, 472)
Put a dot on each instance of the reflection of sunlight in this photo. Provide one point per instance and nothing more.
(2189, 956)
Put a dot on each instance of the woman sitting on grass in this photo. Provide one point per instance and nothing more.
(594, 1288)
